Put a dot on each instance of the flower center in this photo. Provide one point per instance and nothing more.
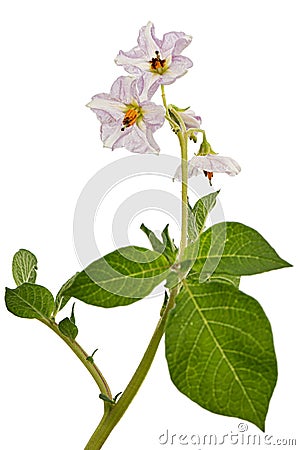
(157, 65)
(130, 118)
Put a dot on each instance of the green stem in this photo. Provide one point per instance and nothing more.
(196, 130)
(163, 95)
(184, 193)
(82, 356)
(173, 124)
(110, 420)
(108, 423)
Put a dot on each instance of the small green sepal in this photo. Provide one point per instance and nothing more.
(90, 358)
(106, 399)
(117, 396)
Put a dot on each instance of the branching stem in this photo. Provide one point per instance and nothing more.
(89, 365)
(110, 420)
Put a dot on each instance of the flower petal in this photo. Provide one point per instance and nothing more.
(190, 119)
(111, 133)
(104, 102)
(137, 141)
(147, 41)
(153, 115)
(210, 163)
(216, 163)
(178, 68)
(124, 89)
(174, 43)
(132, 64)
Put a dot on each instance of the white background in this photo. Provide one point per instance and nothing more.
(245, 85)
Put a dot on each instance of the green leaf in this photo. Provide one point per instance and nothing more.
(72, 317)
(156, 243)
(24, 267)
(235, 249)
(120, 278)
(61, 298)
(106, 399)
(192, 229)
(166, 246)
(225, 278)
(68, 328)
(220, 352)
(233, 280)
(30, 301)
(170, 248)
(202, 209)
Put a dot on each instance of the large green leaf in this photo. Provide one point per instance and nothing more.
(24, 267)
(120, 278)
(220, 352)
(235, 249)
(30, 301)
(233, 280)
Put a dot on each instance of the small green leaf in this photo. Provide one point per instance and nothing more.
(220, 352)
(120, 278)
(72, 318)
(192, 229)
(202, 209)
(91, 357)
(166, 246)
(68, 328)
(157, 245)
(117, 396)
(106, 399)
(61, 299)
(24, 267)
(30, 301)
(235, 249)
(170, 248)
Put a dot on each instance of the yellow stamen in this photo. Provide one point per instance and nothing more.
(129, 118)
(157, 64)
(209, 175)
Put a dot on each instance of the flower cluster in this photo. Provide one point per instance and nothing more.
(129, 118)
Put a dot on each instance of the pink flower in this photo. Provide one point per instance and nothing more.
(190, 119)
(126, 121)
(158, 61)
(210, 164)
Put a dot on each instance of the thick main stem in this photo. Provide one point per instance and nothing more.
(108, 423)
(184, 193)
(110, 420)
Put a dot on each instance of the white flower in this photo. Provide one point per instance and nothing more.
(158, 61)
(209, 164)
(126, 121)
